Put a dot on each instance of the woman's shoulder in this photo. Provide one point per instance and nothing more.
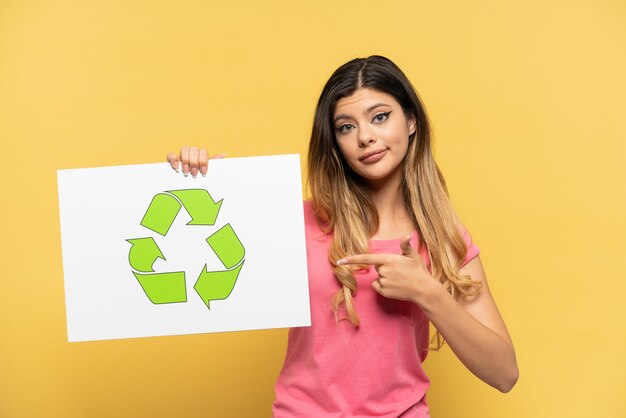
(311, 220)
(472, 249)
(310, 217)
(308, 205)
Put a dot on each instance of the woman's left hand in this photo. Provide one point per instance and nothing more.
(401, 276)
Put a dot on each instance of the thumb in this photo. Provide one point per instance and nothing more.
(407, 249)
(173, 160)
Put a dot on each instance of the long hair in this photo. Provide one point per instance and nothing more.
(341, 200)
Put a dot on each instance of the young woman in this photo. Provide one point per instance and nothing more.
(387, 254)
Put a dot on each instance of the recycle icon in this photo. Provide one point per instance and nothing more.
(170, 287)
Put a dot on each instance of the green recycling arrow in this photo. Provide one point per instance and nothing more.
(143, 253)
(161, 213)
(171, 287)
(216, 285)
(164, 287)
(227, 246)
(200, 206)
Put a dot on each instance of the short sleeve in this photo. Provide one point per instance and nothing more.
(472, 249)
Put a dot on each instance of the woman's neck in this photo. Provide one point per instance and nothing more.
(393, 218)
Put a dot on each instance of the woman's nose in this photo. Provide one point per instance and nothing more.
(366, 137)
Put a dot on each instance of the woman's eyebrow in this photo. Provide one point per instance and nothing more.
(369, 109)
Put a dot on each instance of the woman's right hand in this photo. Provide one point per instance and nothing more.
(194, 159)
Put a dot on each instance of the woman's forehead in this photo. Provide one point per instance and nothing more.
(363, 98)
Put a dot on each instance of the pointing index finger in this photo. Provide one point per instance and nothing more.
(371, 259)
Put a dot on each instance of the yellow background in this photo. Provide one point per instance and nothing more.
(528, 104)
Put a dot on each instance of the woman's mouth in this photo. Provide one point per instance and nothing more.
(374, 156)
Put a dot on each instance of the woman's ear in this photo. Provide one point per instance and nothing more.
(412, 125)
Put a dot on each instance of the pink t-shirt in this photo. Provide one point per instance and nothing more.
(333, 369)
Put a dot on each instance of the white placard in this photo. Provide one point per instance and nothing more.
(150, 252)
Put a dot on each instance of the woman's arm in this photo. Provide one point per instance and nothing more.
(475, 330)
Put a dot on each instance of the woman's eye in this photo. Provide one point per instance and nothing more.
(341, 129)
(384, 116)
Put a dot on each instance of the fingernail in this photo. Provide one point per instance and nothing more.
(411, 236)
(342, 262)
(203, 171)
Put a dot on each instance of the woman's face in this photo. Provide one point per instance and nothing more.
(373, 133)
